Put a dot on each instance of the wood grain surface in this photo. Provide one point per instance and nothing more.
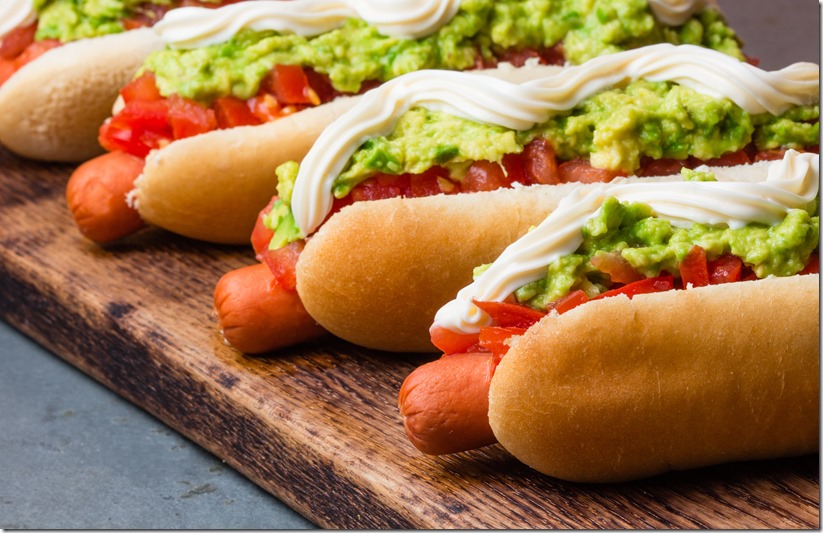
(316, 426)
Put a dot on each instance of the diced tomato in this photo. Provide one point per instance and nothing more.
(265, 107)
(7, 69)
(145, 15)
(450, 342)
(484, 176)
(568, 302)
(644, 286)
(494, 339)
(581, 171)
(261, 235)
(188, 118)
(725, 269)
(143, 88)
(506, 314)
(232, 112)
(35, 50)
(694, 268)
(290, 85)
(515, 169)
(660, 167)
(813, 266)
(137, 129)
(540, 162)
(730, 159)
(615, 265)
(14, 42)
(321, 84)
(283, 263)
(427, 183)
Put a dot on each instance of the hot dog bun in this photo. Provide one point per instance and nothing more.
(667, 381)
(212, 186)
(52, 108)
(377, 272)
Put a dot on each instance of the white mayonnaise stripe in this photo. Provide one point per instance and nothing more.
(791, 183)
(676, 12)
(15, 13)
(521, 106)
(191, 27)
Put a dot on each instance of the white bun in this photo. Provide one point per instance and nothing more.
(52, 108)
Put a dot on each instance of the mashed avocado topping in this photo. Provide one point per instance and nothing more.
(70, 20)
(652, 245)
(357, 52)
(280, 219)
(614, 129)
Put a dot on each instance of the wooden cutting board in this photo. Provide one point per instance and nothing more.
(317, 426)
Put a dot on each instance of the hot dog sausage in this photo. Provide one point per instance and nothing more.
(96, 194)
(257, 315)
(445, 404)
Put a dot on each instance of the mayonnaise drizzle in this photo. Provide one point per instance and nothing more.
(676, 12)
(16, 13)
(791, 183)
(521, 106)
(191, 27)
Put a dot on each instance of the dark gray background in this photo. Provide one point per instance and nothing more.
(75, 455)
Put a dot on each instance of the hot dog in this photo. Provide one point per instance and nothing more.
(185, 186)
(374, 283)
(61, 65)
(639, 364)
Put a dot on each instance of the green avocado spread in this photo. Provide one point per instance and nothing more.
(70, 20)
(613, 129)
(357, 52)
(652, 245)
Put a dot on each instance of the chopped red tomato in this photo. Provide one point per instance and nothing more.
(141, 88)
(581, 171)
(515, 169)
(283, 262)
(188, 118)
(232, 112)
(568, 302)
(139, 128)
(7, 69)
(660, 167)
(506, 314)
(615, 265)
(261, 235)
(494, 338)
(730, 159)
(725, 269)
(694, 269)
(427, 184)
(266, 108)
(541, 162)
(16, 41)
(644, 286)
(290, 85)
(450, 342)
(484, 176)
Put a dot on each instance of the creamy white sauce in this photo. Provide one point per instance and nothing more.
(521, 106)
(15, 13)
(791, 183)
(676, 12)
(191, 27)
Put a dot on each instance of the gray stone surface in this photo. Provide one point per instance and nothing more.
(74, 455)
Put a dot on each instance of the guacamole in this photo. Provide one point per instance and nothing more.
(652, 246)
(613, 129)
(357, 52)
(70, 20)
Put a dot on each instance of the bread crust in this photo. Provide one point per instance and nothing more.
(52, 108)
(212, 186)
(620, 389)
(377, 272)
